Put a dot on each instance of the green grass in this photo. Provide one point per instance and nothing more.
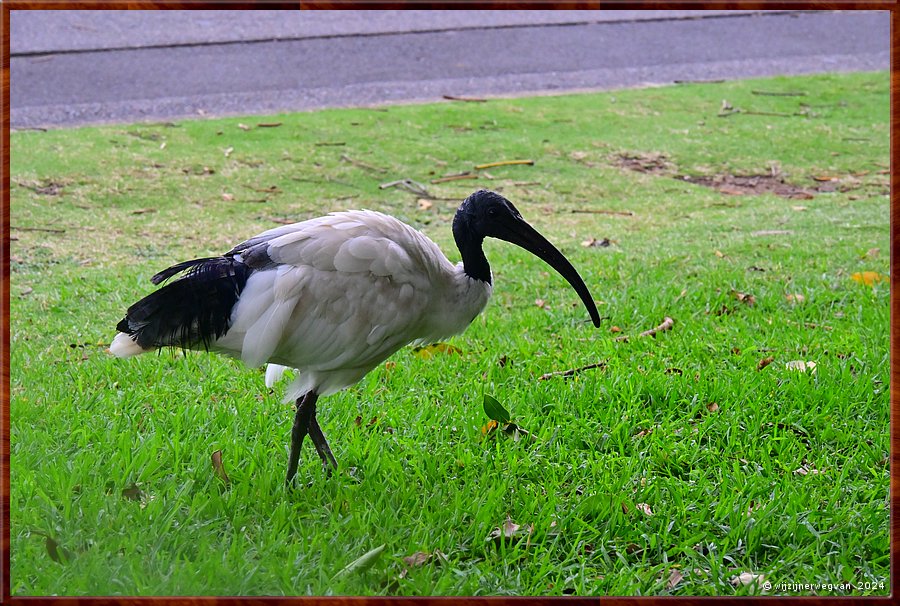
(725, 484)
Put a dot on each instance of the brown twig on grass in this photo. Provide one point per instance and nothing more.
(504, 163)
(571, 371)
(457, 177)
(667, 324)
(46, 229)
(361, 164)
(772, 93)
(730, 112)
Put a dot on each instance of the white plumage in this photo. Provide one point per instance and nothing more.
(331, 297)
(350, 289)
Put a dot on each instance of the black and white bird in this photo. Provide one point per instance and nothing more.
(332, 298)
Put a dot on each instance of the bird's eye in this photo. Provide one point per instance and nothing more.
(492, 213)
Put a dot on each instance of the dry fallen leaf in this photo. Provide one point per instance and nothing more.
(712, 407)
(795, 298)
(872, 253)
(541, 303)
(243, 126)
(869, 278)
(747, 578)
(132, 493)
(509, 530)
(719, 254)
(764, 362)
(594, 242)
(218, 466)
(228, 197)
(416, 559)
(744, 297)
(57, 552)
(516, 432)
(424, 204)
(615, 329)
(644, 508)
(798, 208)
(675, 577)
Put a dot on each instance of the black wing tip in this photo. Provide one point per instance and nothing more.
(193, 310)
(180, 267)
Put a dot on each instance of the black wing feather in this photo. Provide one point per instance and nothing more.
(193, 310)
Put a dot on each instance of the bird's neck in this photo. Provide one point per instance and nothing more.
(475, 264)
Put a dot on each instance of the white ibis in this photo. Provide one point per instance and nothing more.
(332, 297)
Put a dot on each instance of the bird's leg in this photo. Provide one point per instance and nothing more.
(306, 410)
(321, 444)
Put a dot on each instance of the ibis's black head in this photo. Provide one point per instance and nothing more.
(486, 214)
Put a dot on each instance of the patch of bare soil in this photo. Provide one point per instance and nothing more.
(652, 163)
(656, 163)
(753, 185)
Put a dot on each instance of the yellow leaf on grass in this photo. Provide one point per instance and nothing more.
(489, 427)
(429, 351)
(869, 277)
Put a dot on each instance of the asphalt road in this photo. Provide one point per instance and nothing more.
(77, 67)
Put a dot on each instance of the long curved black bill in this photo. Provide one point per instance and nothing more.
(524, 235)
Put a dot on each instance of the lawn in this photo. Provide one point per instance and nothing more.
(708, 459)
